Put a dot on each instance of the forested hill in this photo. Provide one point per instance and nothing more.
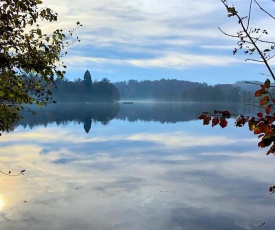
(177, 90)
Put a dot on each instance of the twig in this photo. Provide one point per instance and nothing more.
(252, 83)
(236, 36)
(257, 48)
(265, 74)
(264, 10)
(8, 174)
(249, 59)
(249, 15)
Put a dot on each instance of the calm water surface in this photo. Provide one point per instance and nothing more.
(133, 167)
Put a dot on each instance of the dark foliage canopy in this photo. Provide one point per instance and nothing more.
(29, 58)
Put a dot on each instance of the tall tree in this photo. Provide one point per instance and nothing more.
(87, 79)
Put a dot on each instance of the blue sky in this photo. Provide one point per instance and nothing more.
(154, 39)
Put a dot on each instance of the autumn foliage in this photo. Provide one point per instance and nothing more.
(262, 124)
(251, 41)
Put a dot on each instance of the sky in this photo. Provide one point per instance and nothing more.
(155, 39)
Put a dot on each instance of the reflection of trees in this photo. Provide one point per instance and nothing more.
(87, 124)
(63, 113)
(172, 112)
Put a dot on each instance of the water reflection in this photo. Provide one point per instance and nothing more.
(1, 203)
(135, 175)
(64, 113)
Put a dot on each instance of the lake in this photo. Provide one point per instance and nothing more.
(138, 166)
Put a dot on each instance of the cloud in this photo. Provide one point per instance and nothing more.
(167, 139)
(126, 37)
(170, 32)
(221, 47)
(169, 60)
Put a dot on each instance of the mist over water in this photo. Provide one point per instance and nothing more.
(145, 110)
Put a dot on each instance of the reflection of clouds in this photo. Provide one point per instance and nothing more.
(2, 203)
(168, 139)
(127, 184)
(183, 139)
(147, 201)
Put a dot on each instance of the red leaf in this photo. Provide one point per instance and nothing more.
(267, 130)
(268, 108)
(223, 122)
(226, 114)
(215, 121)
(206, 120)
(264, 100)
(269, 119)
(261, 144)
(202, 116)
(240, 122)
(260, 115)
(271, 150)
(259, 93)
(258, 130)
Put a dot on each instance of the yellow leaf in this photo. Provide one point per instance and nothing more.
(264, 100)
(258, 93)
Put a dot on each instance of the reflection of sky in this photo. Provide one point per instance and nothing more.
(142, 175)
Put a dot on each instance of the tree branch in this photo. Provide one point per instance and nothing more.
(236, 36)
(9, 174)
(233, 12)
(249, 59)
(264, 10)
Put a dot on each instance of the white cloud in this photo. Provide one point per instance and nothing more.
(167, 139)
(142, 23)
(220, 47)
(174, 34)
(168, 60)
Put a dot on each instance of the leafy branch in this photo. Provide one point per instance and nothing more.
(263, 123)
(30, 60)
(245, 33)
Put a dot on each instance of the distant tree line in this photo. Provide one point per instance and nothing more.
(85, 90)
(180, 90)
